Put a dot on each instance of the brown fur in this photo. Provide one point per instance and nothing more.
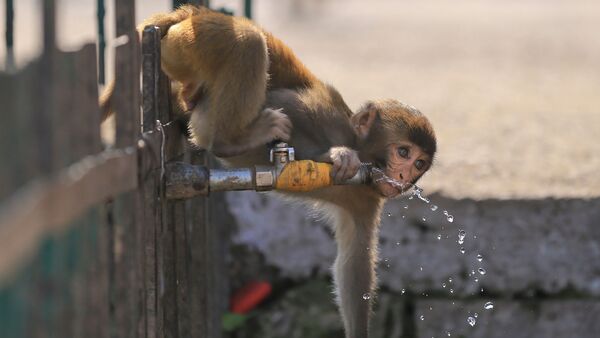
(227, 60)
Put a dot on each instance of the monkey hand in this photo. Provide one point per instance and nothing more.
(345, 163)
(270, 125)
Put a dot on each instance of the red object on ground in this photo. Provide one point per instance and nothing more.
(249, 296)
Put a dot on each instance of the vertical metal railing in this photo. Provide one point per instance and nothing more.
(9, 36)
(101, 13)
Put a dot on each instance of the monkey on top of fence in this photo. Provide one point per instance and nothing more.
(244, 88)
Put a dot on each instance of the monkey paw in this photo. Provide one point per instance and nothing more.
(272, 125)
(345, 163)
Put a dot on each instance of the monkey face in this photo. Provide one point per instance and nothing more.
(406, 163)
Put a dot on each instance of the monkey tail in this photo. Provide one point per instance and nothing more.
(164, 22)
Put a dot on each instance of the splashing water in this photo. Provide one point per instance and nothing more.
(472, 321)
(379, 176)
(366, 296)
(461, 236)
(419, 193)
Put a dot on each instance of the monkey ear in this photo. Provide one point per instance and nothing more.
(363, 120)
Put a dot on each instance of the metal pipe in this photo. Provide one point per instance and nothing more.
(185, 180)
(231, 179)
(363, 176)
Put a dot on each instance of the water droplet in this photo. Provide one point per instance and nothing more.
(439, 237)
(433, 207)
(472, 321)
(366, 296)
(450, 279)
(488, 305)
(481, 271)
(479, 257)
(403, 216)
(405, 206)
(475, 315)
(462, 250)
(445, 212)
(422, 317)
(476, 279)
(397, 243)
(389, 214)
(430, 308)
(443, 285)
(474, 236)
(411, 197)
(461, 236)
(451, 290)
(481, 290)
(450, 218)
(424, 219)
(421, 268)
(403, 291)
(448, 333)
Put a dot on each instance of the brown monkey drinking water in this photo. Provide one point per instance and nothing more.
(243, 88)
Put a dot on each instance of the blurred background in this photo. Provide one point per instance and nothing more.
(513, 91)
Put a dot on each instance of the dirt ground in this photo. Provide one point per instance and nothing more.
(512, 87)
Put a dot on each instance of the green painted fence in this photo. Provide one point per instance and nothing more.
(89, 246)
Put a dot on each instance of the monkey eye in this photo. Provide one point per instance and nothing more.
(403, 152)
(420, 164)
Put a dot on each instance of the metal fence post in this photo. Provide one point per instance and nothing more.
(9, 35)
(101, 12)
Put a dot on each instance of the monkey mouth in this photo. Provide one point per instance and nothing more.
(389, 187)
(392, 191)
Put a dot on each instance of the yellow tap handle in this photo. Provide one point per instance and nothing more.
(304, 175)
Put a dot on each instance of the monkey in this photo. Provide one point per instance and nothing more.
(242, 88)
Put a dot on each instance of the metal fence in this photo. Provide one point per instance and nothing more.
(89, 246)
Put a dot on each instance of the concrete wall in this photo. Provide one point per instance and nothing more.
(541, 257)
